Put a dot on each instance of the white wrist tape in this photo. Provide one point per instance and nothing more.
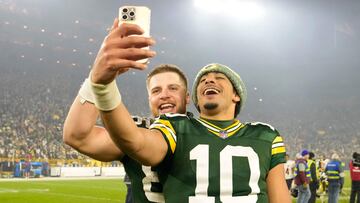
(107, 97)
(85, 92)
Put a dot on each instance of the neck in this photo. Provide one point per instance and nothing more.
(218, 114)
(217, 117)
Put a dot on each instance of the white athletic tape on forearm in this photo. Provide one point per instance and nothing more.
(86, 94)
(107, 97)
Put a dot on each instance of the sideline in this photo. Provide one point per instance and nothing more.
(47, 192)
(60, 178)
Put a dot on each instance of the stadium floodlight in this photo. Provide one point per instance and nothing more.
(246, 10)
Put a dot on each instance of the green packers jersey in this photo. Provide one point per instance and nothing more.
(208, 163)
(145, 184)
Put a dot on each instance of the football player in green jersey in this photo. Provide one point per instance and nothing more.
(167, 92)
(214, 158)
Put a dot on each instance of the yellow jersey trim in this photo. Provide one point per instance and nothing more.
(278, 150)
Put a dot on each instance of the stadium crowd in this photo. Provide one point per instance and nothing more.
(34, 106)
(323, 135)
(31, 118)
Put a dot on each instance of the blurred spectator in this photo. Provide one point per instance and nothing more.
(335, 174)
(27, 166)
(355, 178)
(289, 168)
(323, 176)
(302, 177)
(314, 182)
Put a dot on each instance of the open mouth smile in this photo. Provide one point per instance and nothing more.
(166, 107)
(211, 91)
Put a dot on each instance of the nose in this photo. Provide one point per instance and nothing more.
(164, 94)
(209, 79)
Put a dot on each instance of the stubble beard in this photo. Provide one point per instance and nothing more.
(210, 106)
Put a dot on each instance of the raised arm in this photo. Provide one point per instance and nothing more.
(147, 146)
(119, 52)
(81, 133)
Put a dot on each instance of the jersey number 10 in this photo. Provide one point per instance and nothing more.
(201, 155)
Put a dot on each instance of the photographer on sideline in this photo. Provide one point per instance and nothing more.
(354, 166)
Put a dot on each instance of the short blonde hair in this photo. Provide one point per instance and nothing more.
(163, 68)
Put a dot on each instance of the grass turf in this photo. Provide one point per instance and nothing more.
(93, 190)
(63, 191)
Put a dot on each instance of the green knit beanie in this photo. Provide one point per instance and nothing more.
(235, 79)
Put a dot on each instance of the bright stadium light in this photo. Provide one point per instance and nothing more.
(246, 10)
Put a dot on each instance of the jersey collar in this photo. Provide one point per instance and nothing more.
(221, 132)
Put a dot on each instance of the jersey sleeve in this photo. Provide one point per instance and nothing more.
(167, 125)
(164, 125)
(278, 151)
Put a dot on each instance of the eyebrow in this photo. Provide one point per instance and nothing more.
(217, 73)
(169, 85)
(174, 84)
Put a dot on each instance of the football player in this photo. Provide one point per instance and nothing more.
(216, 158)
(167, 92)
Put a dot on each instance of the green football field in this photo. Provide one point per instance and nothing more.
(96, 190)
(56, 190)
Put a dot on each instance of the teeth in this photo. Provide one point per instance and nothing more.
(163, 106)
(211, 90)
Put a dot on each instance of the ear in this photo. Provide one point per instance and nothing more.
(187, 98)
(236, 98)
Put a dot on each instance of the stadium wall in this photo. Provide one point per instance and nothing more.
(86, 171)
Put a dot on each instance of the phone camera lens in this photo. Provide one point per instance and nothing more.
(132, 13)
(125, 10)
(124, 17)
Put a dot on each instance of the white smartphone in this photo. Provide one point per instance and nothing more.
(139, 15)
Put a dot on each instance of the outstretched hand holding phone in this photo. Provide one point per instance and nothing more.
(123, 48)
(138, 15)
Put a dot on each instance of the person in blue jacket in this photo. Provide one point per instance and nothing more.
(335, 173)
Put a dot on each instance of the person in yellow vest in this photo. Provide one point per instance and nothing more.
(335, 173)
(314, 182)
